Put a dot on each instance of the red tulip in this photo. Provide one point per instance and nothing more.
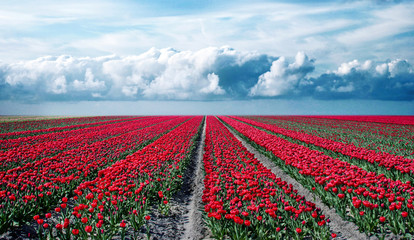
(75, 231)
(88, 229)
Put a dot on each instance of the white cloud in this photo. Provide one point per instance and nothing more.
(282, 77)
(155, 74)
(346, 68)
(213, 87)
(185, 73)
(206, 74)
(381, 23)
(354, 65)
(399, 66)
(171, 74)
(332, 32)
(58, 86)
(274, 28)
(382, 69)
(27, 14)
(391, 68)
(89, 83)
(392, 80)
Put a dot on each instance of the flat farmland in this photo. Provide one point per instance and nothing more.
(207, 177)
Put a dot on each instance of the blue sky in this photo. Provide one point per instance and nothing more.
(342, 57)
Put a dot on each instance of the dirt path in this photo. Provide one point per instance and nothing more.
(194, 227)
(185, 219)
(343, 229)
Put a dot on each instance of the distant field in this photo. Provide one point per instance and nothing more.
(26, 118)
(203, 177)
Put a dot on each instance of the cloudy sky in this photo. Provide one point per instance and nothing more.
(206, 57)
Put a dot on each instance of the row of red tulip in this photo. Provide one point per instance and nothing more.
(48, 145)
(45, 135)
(369, 130)
(62, 125)
(403, 120)
(117, 201)
(392, 138)
(375, 203)
(389, 161)
(35, 187)
(245, 200)
(362, 127)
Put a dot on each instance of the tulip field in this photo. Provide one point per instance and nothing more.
(263, 177)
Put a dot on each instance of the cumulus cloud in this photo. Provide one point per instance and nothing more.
(283, 77)
(54, 78)
(207, 74)
(172, 74)
(214, 85)
(160, 74)
(89, 83)
(58, 86)
(392, 80)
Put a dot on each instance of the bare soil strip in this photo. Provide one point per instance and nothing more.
(194, 227)
(185, 218)
(343, 229)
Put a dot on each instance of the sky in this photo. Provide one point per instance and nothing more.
(107, 57)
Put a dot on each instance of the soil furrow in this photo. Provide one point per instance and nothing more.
(194, 227)
(184, 219)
